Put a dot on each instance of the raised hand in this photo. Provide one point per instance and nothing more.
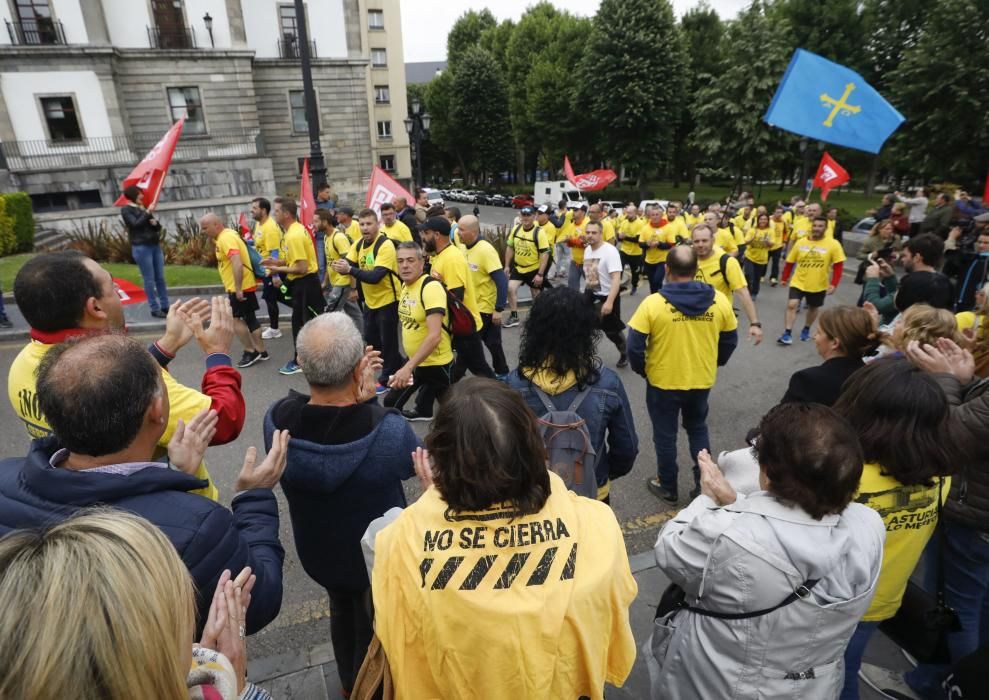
(713, 483)
(189, 442)
(266, 474)
(218, 337)
(177, 332)
(224, 630)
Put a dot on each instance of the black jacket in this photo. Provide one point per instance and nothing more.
(822, 384)
(140, 230)
(968, 502)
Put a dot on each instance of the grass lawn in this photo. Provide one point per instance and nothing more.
(175, 275)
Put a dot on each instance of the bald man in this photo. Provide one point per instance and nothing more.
(237, 274)
(490, 290)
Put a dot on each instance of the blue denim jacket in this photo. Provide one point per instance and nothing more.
(607, 413)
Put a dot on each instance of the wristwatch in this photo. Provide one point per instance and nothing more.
(757, 324)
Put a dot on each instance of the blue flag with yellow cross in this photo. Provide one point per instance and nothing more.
(826, 101)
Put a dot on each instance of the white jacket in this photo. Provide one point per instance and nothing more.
(750, 556)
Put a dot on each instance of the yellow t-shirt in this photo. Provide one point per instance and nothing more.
(297, 245)
(397, 232)
(384, 291)
(801, 226)
(631, 230)
(552, 234)
(414, 304)
(742, 225)
(267, 237)
(965, 320)
(184, 403)
(782, 233)
(482, 260)
(451, 266)
(353, 230)
(692, 220)
(760, 241)
(709, 272)
(725, 240)
(910, 516)
(682, 351)
(229, 244)
(528, 247)
(648, 234)
(337, 246)
(608, 231)
(577, 235)
(567, 230)
(814, 260)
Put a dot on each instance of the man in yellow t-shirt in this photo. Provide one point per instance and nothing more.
(548, 223)
(723, 272)
(237, 275)
(814, 211)
(781, 241)
(490, 288)
(576, 241)
(759, 241)
(815, 256)
(656, 240)
(299, 264)
(396, 230)
(677, 339)
(268, 243)
(693, 217)
(723, 237)
(799, 222)
(630, 248)
(422, 311)
(527, 258)
(677, 226)
(564, 230)
(340, 290)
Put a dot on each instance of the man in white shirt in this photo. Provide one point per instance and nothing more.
(603, 278)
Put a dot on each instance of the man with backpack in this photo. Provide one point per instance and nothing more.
(722, 271)
(340, 290)
(527, 259)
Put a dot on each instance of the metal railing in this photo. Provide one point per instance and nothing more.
(171, 38)
(125, 150)
(289, 48)
(39, 32)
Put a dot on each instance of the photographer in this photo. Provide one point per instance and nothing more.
(921, 256)
(972, 268)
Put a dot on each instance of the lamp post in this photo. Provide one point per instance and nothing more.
(208, 21)
(417, 126)
(317, 166)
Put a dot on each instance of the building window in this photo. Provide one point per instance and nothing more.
(384, 130)
(375, 19)
(379, 59)
(387, 163)
(170, 30)
(382, 96)
(61, 118)
(186, 100)
(297, 102)
(287, 22)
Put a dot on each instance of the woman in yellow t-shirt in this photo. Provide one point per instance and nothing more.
(902, 419)
(759, 240)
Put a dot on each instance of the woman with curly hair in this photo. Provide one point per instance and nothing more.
(559, 368)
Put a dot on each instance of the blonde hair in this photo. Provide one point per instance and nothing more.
(98, 606)
(925, 324)
(853, 328)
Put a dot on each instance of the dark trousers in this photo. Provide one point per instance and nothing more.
(491, 337)
(307, 302)
(381, 333)
(655, 272)
(431, 382)
(774, 257)
(270, 293)
(753, 275)
(634, 263)
(665, 407)
(612, 324)
(469, 351)
(351, 628)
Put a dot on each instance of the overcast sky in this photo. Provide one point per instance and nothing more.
(425, 23)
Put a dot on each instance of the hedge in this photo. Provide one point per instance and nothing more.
(18, 208)
(8, 240)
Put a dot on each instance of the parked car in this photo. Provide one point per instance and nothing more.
(499, 200)
(456, 195)
(434, 197)
(864, 225)
(649, 202)
(610, 204)
(522, 200)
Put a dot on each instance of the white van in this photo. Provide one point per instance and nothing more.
(552, 191)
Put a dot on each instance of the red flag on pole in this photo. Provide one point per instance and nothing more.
(129, 292)
(985, 195)
(149, 174)
(384, 188)
(245, 230)
(829, 175)
(307, 203)
(588, 182)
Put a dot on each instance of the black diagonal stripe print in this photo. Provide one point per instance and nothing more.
(424, 566)
(513, 569)
(450, 567)
(570, 565)
(478, 573)
(542, 568)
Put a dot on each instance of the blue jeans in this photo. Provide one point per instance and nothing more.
(665, 406)
(654, 272)
(853, 659)
(151, 262)
(966, 589)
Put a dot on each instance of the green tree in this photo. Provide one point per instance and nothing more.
(479, 113)
(702, 31)
(442, 133)
(466, 33)
(833, 29)
(495, 40)
(631, 75)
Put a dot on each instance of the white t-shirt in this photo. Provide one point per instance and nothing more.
(598, 266)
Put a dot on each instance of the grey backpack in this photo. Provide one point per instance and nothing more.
(568, 445)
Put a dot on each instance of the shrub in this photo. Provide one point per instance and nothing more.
(18, 207)
(104, 241)
(8, 239)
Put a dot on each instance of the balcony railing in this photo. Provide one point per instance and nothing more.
(171, 37)
(289, 48)
(125, 150)
(40, 32)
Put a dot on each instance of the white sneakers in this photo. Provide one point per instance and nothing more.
(271, 333)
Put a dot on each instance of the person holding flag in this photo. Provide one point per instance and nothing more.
(144, 233)
(814, 256)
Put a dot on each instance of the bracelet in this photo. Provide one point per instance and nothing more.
(755, 324)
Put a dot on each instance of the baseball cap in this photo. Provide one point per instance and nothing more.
(528, 210)
(544, 209)
(349, 211)
(439, 224)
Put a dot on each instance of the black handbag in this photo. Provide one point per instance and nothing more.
(921, 624)
(675, 598)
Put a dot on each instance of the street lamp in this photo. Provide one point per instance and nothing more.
(417, 127)
(208, 21)
(317, 165)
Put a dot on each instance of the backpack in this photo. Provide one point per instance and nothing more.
(461, 319)
(535, 242)
(568, 445)
(256, 267)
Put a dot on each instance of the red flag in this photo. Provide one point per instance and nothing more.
(149, 174)
(307, 203)
(985, 195)
(829, 175)
(384, 188)
(245, 230)
(129, 292)
(588, 182)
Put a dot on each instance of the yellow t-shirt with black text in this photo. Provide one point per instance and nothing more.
(759, 242)
(528, 247)
(385, 290)
(482, 260)
(297, 245)
(398, 232)
(228, 245)
(631, 229)
(814, 260)
(648, 234)
(414, 304)
(337, 245)
(451, 267)
(709, 272)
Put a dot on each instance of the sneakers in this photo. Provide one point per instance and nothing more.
(664, 494)
(158, 313)
(805, 334)
(773, 282)
(271, 333)
(622, 361)
(264, 356)
(380, 389)
(291, 367)
(632, 291)
(414, 416)
(248, 359)
(889, 684)
(785, 339)
(5, 322)
(512, 321)
(502, 377)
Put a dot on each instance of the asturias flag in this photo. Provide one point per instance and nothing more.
(823, 100)
(149, 174)
(830, 175)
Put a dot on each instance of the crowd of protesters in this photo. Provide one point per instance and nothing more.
(508, 577)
